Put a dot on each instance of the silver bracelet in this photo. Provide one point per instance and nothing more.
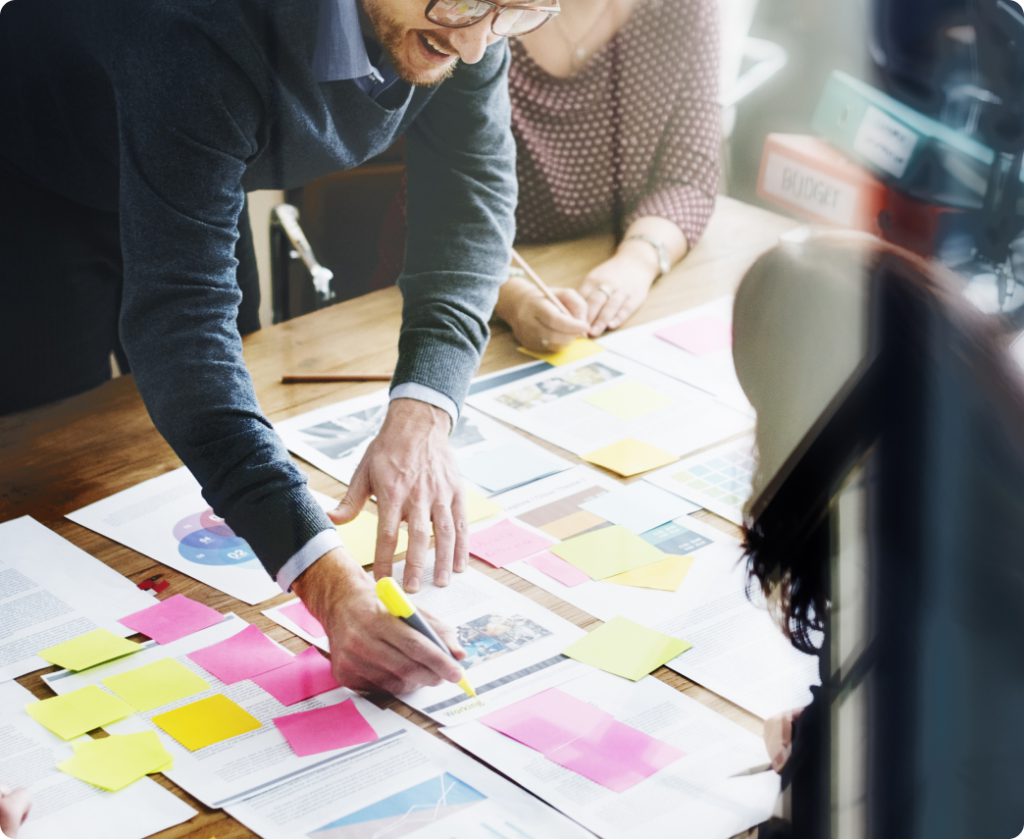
(659, 249)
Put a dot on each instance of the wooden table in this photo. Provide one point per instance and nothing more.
(61, 457)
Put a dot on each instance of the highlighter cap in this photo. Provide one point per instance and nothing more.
(394, 599)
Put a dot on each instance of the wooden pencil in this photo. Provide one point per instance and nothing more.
(542, 287)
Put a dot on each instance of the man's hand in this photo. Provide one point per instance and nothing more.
(14, 810)
(371, 650)
(411, 470)
(778, 737)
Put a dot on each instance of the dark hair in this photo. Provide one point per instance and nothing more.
(786, 527)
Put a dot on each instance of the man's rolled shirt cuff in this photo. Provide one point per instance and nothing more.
(416, 391)
(306, 556)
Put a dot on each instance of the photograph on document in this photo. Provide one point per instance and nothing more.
(495, 458)
(565, 744)
(414, 785)
(586, 407)
(515, 646)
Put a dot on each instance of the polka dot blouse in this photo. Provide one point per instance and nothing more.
(637, 128)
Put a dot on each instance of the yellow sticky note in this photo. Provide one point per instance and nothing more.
(116, 761)
(607, 551)
(667, 574)
(89, 649)
(581, 348)
(206, 722)
(629, 400)
(478, 506)
(629, 457)
(360, 537)
(623, 647)
(77, 712)
(156, 684)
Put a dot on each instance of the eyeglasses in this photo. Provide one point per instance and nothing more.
(509, 19)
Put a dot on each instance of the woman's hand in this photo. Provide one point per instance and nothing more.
(14, 808)
(778, 737)
(615, 289)
(537, 323)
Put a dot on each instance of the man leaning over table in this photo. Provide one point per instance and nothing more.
(134, 128)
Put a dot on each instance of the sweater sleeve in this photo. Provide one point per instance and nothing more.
(187, 122)
(684, 179)
(461, 201)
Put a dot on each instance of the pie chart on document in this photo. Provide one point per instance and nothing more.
(205, 538)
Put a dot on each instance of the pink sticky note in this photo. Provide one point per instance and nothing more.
(244, 655)
(505, 543)
(327, 728)
(547, 721)
(172, 619)
(298, 613)
(699, 336)
(615, 755)
(555, 567)
(307, 675)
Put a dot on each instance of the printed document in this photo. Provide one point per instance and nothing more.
(50, 592)
(63, 806)
(693, 796)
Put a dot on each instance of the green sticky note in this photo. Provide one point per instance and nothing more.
(73, 714)
(629, 400)
(89, 649)
(608, 551)
(156, 684)
(625, 648)
(667, 574)
(116, 761)
(206, 722)
(630, 457)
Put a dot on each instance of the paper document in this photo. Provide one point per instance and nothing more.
(412, 785)
(233, 765)
(335, 437)
(690, 796)
(52, 592)
(718, 478)
(63, 806)
(167, 519)
(581, 407)
(693, 347)
(738, 650)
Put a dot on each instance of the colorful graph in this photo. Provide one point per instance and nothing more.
(206, 539)
(401, 814)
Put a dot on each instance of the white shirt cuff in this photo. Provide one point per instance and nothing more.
(306, 556)
(415, 391)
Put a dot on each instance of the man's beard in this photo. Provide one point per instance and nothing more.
(391, 35)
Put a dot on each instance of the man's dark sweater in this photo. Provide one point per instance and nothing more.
(167, 111)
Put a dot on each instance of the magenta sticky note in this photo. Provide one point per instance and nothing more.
(170, 620)
(244, 655)
(555, 567)
(547, 720)
(505, 543)
(327, 728)
(307, 675)
(615, 755)
(298, 613)
(699, 336)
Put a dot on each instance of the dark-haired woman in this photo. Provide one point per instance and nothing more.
(886, 532)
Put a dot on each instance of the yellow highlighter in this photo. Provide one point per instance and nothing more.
(399, 605)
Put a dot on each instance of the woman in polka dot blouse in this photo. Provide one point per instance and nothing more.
(617, 125)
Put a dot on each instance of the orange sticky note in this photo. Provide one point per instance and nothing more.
(630, 457)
